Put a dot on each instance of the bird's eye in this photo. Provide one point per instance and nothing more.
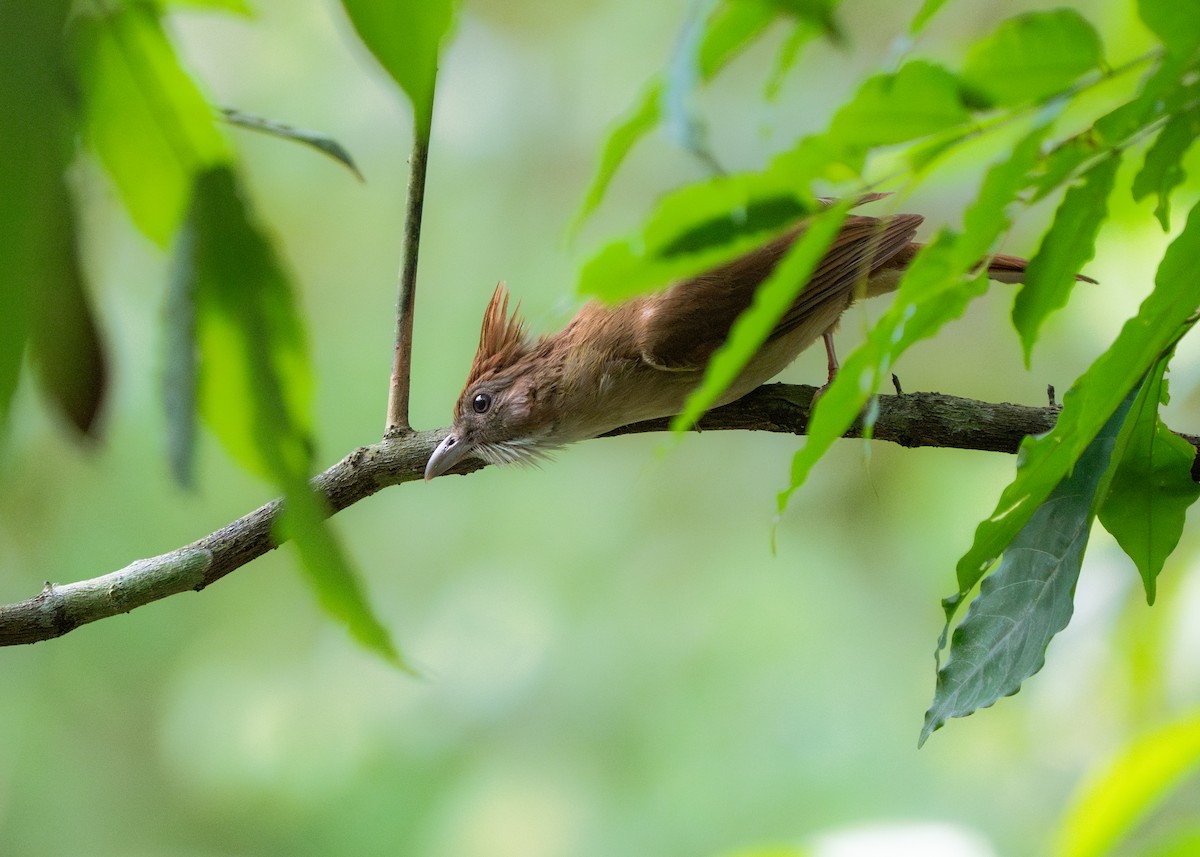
(481, 403)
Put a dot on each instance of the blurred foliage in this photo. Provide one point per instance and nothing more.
(615, 665)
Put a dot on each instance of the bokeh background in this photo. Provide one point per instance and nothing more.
(613, 660)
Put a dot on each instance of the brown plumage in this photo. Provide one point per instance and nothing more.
(615, 365)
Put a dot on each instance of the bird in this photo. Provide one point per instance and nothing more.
(610, 366)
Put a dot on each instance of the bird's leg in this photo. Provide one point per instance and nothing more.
(831, 355)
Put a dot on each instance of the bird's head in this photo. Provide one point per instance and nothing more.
(498, 417)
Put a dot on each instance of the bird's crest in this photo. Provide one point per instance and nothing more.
(502, 339)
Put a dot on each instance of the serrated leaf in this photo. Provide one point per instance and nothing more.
(918, 100)
(1029, 597)
(323, 143)
(1158, 324)
(144, 116)
(1152, 486)
(34, 151)
(1068, 245)
(771, 300)
(1162, 171)
(1110, 808)
(1177, 24)
(1031, 57)
(256, 385)
(66, 344)
(934, 290)
(406, 37)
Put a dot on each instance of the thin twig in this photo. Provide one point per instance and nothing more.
(397, 409)
(914, 419)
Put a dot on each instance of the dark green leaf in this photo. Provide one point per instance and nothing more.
(816, 13)
(406, 38)
(34, 151)
(771, 301)
(66, 344)
(918, 100)
(1177, 24)
(1030, 597)
(1068, 245)
(1152, 486)
(255, 384)
(144, 116)
(1031, 57)
(1162, 170)
(321, 142)
(933, 291)
(1090, 401)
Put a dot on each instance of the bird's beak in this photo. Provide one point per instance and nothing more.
(448, 453)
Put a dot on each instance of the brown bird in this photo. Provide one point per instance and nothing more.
(615, 365)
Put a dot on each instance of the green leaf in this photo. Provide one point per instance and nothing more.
(816, 13)
(66, 345)
(406, 38)
(732, 26)
(1162, 170)
(1067, 246)
(933, 291)
(143, 116)
(1030, 597)
(918, 100)
(255, 384)
(1152, 486)
(1031, 57)
(1143, 339)
(924, 15)
(1177, 24)
(238, 7)
(34, 150)
(323, 143)
(771, 301)
(1110, 808)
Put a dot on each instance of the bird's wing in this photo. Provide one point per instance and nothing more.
(680, 328)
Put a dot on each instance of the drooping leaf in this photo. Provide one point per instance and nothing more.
(1029, 597)
(1143, 339)
(771, 301)
(1152, 486)
(321, 142)
(143, 116)
(1067, 246)
(1110, 808)
(1031, 57)
(918, 100)
(34, 151)
(255, 385)
(406, 37)
(817, 13)
(1177, 24)
(66, 343)
(1162, 170)
(933, 291)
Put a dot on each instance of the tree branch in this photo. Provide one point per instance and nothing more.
(911, 420)
(397, 407)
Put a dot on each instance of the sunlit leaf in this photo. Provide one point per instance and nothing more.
(1095, 395)
(771, 301)
(1032, 56)
(239, 7)
(933, 291)
(1109, 808)
(1067, 246)
(1029, 597)
(925, 14)
(1162, 170)
(918, 100)
(1152, 486)
(255, 385)
(1177, 24)
(34, 150)
(406, 38)
(323, 143)
(143, 116)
